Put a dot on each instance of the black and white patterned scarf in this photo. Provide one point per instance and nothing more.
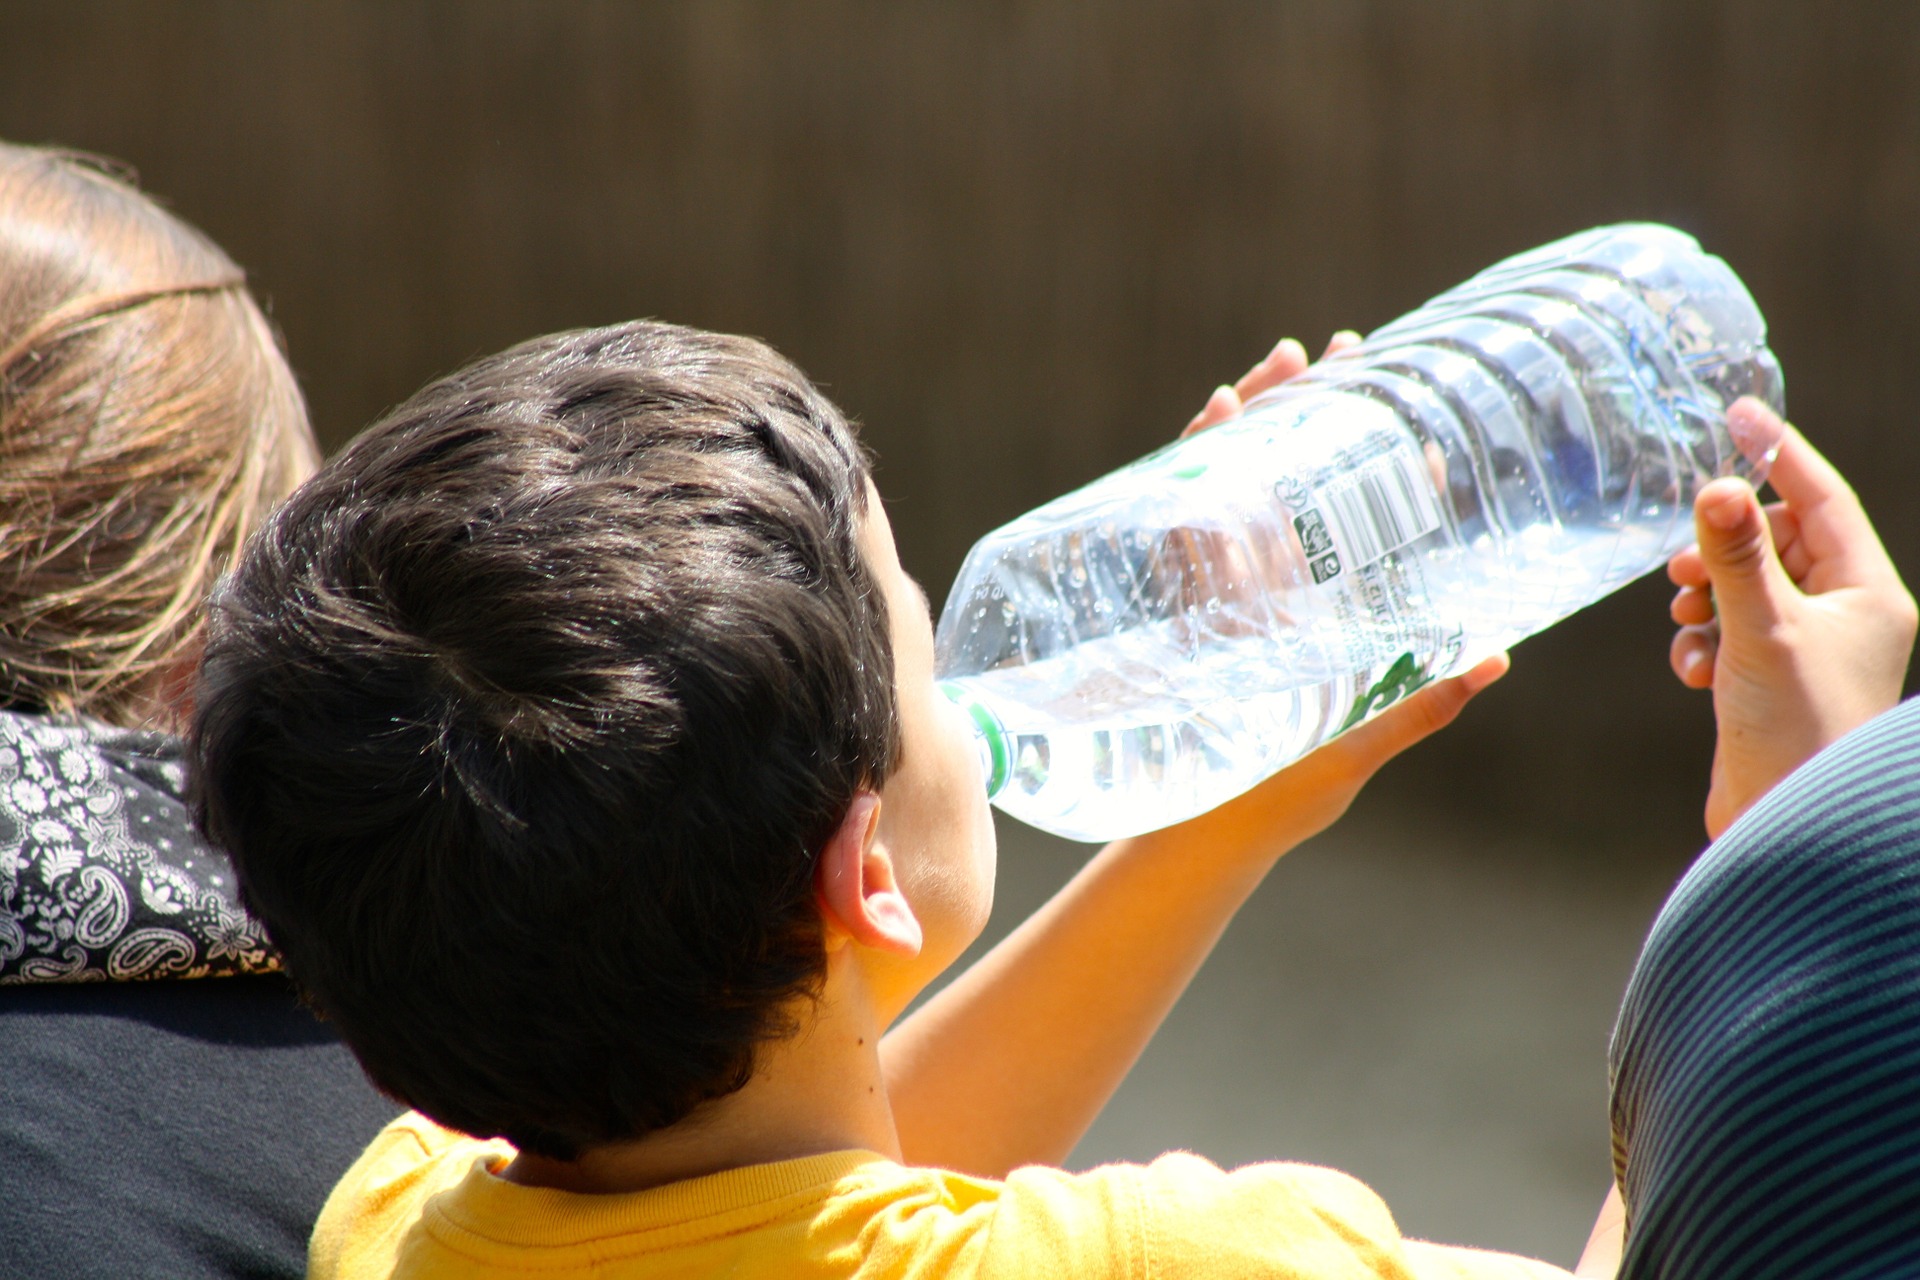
(101, 875)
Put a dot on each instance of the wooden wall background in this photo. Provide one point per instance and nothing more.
(1020, 241)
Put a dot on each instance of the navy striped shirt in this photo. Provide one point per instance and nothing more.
(1766, 1064)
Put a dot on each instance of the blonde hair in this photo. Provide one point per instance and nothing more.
(148, 422)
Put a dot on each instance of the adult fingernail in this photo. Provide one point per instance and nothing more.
(1691, 664)
(1290, 348)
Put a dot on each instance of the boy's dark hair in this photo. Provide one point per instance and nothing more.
(525, 719)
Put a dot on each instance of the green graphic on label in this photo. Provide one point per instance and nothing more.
(1401, 679)
(1193, 472)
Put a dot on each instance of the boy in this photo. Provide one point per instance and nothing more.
(575, 736)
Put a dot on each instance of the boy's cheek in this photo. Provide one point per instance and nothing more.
(985, 869)
(953, 896)
(987, 852)
(978, 845)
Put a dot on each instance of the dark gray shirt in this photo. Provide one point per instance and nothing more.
(185, 1127)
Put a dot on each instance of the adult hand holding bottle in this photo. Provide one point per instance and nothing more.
(1792, 614)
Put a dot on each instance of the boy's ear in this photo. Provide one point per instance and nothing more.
(859, 897)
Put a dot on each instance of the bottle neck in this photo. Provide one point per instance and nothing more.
(989, 736)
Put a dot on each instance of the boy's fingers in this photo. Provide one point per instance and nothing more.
(1692, 655)
(1427, 711)
(1486, 672)
(1224, 403)
(1288, 359)
(1340, 342)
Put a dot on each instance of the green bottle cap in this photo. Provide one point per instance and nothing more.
(997, 755)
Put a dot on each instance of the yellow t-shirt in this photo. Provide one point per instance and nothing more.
(423, 1203)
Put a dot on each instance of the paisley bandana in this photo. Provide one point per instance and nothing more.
(101, 875)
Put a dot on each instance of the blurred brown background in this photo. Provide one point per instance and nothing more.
(1020, 242)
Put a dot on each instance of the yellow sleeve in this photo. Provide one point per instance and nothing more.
(1182, 1216)
(379, 1199)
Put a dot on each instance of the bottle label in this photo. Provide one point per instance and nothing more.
(1407, 675)
(1378, 506)
(1317, 542)
(1370, 497)
(1384, 610)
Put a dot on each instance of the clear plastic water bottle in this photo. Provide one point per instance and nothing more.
(1159, 641)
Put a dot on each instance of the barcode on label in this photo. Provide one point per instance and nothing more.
(1380, 507)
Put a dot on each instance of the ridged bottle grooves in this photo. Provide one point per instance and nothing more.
(1162, 639)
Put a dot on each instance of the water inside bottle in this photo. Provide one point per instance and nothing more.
(1140, 729)
(1161, 640)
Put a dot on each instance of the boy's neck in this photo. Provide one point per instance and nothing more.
(817, 1091)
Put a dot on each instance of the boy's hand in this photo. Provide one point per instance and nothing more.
(1308, 795)
(1287, 360)
(1813, 628)
(1010, 1062)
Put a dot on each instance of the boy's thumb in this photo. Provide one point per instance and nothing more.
(1736, 546)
